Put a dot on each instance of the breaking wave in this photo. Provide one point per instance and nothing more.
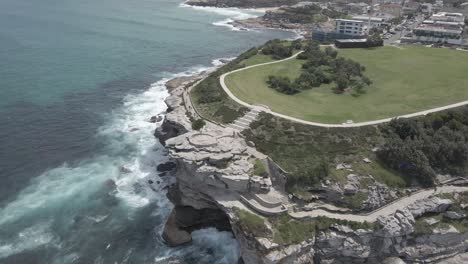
(232, 15)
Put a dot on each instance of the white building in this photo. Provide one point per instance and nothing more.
(449, 17)
(370, 21)
(350, 27)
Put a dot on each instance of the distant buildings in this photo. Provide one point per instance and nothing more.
(443, 27)
(464, 6)
(410, 8)
(426, 8)
(395, 10)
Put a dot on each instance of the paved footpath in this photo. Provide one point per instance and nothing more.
(374, 122)
(383, 211)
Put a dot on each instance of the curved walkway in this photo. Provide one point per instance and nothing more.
(383, 211)
(267, 110)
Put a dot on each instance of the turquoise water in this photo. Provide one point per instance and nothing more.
(78, 82)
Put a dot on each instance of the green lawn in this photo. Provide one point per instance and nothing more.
(406, 80)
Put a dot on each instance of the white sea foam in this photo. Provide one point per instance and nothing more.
(29, 238)
(232, 14)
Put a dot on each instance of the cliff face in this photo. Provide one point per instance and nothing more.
(242, 3)
(214, 168)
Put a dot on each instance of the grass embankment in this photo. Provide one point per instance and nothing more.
(208, 96)
(286, 230)
(405, 81)
(309, 154)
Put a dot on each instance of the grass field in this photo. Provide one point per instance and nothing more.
(405, 81)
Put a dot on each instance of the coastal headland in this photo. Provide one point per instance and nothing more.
(292, 193)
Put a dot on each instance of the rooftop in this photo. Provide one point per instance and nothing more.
(351, 40)
(376, 19)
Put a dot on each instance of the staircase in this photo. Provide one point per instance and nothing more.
(243, 123)
(263, 206)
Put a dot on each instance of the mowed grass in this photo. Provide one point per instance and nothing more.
(405, 81)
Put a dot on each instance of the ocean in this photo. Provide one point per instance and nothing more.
(79, 81)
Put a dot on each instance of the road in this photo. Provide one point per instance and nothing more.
(402, 33)
(360, 124)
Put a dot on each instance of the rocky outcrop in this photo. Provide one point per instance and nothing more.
(242, 3)
(393, 240)
(176, 121)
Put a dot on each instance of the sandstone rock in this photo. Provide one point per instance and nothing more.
(378, 195)
(398, 224)
(431, 221)
(430, 205)
(454, 215)
(393, 260)
(445, 230)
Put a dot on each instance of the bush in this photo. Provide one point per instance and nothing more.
(198, 124)
(424, 147)
(297, 44)
(282, 84)
(277, 50)
(251, 223)
(259, 168)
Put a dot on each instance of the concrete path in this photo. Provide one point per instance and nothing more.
(383, 211)
(265, 109)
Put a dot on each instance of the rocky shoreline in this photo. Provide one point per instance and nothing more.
(241, 3)
(211, 167)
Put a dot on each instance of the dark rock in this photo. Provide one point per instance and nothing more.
(156, 119)
(150, 181)
(172, 234)
(176, 82)
(454, 215)
(185, 219)
(110, 184)
(164, 167)
(124, 169)
(169, 130)
(162, 174)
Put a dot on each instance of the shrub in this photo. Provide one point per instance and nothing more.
(198, 124)
(259, 168)
(251, 223)
(282, 84)
(277, 50)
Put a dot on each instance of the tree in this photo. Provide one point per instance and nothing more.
(374, 37)
(342, 82)
(297, 44)
(329, 51)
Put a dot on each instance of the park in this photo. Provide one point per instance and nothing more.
(405, 80)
